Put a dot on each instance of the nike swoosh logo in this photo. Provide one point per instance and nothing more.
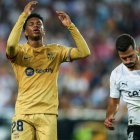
(27, 57)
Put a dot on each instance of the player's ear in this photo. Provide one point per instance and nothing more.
(26, 35)
(137, 50)
(43, 32)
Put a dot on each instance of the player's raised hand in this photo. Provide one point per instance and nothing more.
(30, 7)
(64, 18)
(109, 123)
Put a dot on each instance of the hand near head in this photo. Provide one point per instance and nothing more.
(64, 18)
(30, 7)
(109, 121)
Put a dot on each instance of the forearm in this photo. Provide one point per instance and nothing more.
(82, 49)
(112, 107)
(14, 36)
(111, 111)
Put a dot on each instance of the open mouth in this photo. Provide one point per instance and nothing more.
(36, 31)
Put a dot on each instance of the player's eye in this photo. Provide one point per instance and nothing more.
(130, 56)
(124, 58)
(30, 24)
(39, 24)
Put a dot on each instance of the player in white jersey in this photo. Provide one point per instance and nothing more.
(125, 83)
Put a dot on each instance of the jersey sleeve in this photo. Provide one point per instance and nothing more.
(18, 58)
(81, 50)
(13, 39)
(65, 53)
(114, 86)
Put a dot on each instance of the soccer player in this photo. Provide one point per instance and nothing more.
(36, 68)
(125, 82)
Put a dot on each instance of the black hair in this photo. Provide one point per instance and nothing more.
(32, 16)
(124, 41)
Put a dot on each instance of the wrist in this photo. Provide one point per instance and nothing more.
(70, 26)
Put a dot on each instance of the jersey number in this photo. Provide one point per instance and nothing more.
(17, 125)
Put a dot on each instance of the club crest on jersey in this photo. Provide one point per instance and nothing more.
(50, 56)
(29, 71)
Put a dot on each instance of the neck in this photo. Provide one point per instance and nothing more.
(34, 43)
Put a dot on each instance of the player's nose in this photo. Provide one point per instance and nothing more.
(128, 60)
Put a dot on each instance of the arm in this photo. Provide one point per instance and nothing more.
(111, 111)
(82, 49)
(11, 49)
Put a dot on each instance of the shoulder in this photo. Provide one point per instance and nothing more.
(118, 71)
(22, 46)
(55, 47)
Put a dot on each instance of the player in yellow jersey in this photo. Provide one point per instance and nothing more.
(36, 68)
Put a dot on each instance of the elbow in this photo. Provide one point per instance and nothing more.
(11, 47)
(10, 50)
(88, 53)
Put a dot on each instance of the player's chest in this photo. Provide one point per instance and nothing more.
(37, 59)
(129, 85)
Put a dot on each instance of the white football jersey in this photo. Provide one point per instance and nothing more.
(126, 84)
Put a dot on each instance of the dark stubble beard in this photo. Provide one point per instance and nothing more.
(36, 38)
(131, 65)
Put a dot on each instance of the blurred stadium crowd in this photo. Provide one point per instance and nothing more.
(83, 84)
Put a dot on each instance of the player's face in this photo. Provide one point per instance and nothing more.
(129, 57)
(34, 29)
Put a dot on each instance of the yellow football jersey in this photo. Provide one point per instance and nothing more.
(36, 71)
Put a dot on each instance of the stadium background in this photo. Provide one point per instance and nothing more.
(84, 84)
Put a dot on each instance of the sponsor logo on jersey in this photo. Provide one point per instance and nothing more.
(44, 70)
(135, 93)
(30, 71)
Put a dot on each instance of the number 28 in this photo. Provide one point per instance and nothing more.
(17, 125)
